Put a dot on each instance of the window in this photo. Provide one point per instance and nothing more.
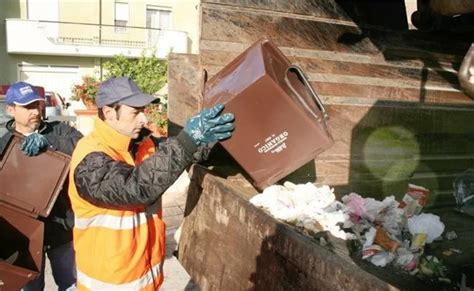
(121, 16)
(43, 10)
(159, 19)
(47, 10)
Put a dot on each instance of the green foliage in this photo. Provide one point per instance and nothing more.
(149, 72)
(87, 90)
(157, 113)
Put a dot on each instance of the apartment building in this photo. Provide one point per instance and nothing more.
(52, 43)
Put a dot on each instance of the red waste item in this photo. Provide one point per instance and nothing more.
(280, 122)
(29, 187)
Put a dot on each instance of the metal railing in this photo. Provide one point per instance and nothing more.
(61, 32)
(86, 39)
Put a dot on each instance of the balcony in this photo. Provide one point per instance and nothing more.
(90, 40)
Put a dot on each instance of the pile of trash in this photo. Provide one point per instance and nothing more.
(388, 231)
(308, 206)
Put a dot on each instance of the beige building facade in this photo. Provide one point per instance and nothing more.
(53, 43)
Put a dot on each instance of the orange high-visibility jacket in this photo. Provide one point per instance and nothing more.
(118, 246)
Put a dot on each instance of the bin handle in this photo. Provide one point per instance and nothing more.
(311, 90)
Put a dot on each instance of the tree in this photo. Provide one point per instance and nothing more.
(149, 72)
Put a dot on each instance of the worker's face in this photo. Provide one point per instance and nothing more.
(27, 118)
(127, 120)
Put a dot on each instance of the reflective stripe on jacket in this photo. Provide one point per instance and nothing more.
(119, 240)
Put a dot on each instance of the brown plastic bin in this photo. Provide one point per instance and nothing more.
(29, 187)
(280, 122)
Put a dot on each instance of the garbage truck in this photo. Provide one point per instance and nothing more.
(397, 116)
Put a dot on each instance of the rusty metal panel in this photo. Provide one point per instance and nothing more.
(385, 90)
(228, 244)
(375, 83)
(185, 87)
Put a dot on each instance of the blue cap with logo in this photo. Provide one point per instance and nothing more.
(122, 90)
(22, 93)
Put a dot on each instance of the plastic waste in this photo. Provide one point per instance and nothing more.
(381, 259)
(464, 192)
(466, 72)
(307, 206)
(414, 200)
(356, 204)
(406, 259)
(369, 208)
(308, 193)
(426, 223)
(380, 226)
(393, 221)
(370, 251)
(451, 235)
(418, 242)
(369, 237)
(462, 285)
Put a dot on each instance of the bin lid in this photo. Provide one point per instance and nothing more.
(31, 184)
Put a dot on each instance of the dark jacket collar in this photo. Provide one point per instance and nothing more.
(11, 126)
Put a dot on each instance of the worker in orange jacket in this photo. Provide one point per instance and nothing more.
(119, 237)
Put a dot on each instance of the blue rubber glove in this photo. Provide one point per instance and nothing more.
(33, 144)
(209, 126)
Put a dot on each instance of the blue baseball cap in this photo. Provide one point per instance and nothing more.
(22, 93)
(122, 90)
